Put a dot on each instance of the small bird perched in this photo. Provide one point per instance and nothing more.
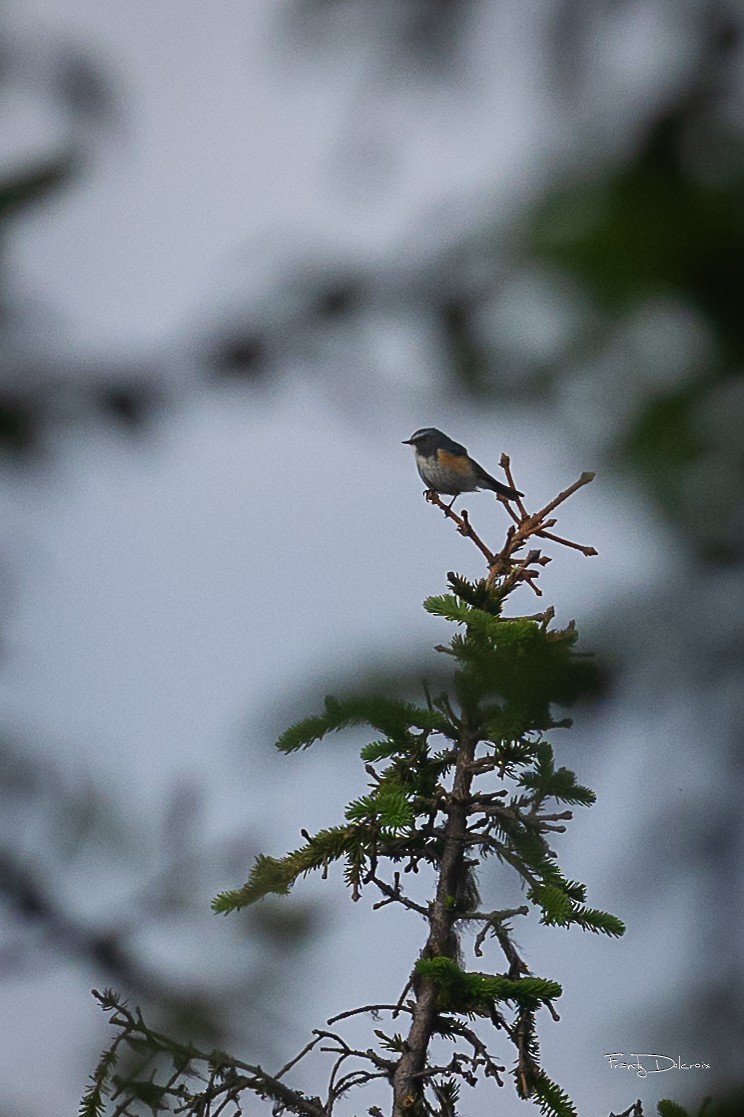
(446, 467)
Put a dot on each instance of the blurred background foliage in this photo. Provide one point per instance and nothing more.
(628, 249)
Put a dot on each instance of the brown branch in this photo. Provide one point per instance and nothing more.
(462, 521)
(505, 569)
(395, 1009)
(301, 1055)
(394, 895)
(583, 547)
(407, 1085)
(526, 1066)
(585, 479)
(492, 1069)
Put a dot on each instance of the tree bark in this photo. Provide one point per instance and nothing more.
(408, 1081)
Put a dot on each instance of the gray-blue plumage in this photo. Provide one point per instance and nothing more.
(446, 467)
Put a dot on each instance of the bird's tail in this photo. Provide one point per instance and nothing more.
(505, 490)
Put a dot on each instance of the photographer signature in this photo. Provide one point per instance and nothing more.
(645, 1063)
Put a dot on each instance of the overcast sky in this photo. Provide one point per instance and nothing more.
(147, 635)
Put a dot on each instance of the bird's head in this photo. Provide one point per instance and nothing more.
(426, 441)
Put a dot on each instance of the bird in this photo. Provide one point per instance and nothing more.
(446, 467)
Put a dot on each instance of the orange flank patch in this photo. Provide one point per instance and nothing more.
(453, 461)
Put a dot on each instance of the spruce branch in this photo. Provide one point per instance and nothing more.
(227, 1077)
(505, 568)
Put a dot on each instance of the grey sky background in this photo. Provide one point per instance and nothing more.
(146, 643)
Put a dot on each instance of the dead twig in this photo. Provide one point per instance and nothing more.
(507, 568)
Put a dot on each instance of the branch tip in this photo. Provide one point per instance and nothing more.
(506, 569)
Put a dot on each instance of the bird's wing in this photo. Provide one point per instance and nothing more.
(455, 462)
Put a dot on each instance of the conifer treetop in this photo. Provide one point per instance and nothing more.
(466, 777)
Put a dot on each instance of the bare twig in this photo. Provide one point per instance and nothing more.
(491, 1067)
(394, 895)
(301, 1055)
(368, 1008)
(505, 568)
(462, 521)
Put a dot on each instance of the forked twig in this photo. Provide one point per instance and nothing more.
(506, 567)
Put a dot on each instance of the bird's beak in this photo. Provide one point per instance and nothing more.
(407, 442)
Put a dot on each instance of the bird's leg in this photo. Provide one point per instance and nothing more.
(454, 498)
